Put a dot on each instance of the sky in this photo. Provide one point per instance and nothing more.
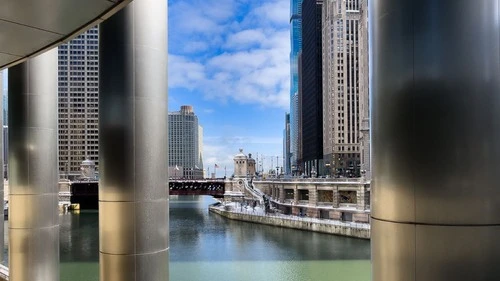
(229, 59)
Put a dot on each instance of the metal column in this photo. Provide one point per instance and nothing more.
(436, 139)
(33, 194)
(133, 191)
(1, 172)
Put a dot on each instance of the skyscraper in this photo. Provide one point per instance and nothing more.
(296, 46)
(185, 138)
(345, 84)
(5, 131)
(286, 146)
(5, 97)
(311, 89)
(78, 102)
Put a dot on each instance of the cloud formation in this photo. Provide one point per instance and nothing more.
(231, 50)
(221, 151)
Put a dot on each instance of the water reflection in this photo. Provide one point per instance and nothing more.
(79, 237)
(197, 235)
(205, 246)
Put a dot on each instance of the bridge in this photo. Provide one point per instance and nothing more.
(215, 188)
(86, 193)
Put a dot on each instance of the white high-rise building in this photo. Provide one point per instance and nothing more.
(78, 111)
(345, 86)
(185, 139)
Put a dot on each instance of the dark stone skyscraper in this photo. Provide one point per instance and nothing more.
(311, 97)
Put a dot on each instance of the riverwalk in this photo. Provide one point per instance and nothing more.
(247, 213)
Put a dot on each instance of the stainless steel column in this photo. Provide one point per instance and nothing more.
(1, 172)
(436, 139)
(33, 211)
(133, 191)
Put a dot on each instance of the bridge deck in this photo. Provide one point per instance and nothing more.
(86, 193)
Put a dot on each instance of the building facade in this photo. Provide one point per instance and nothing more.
(295, 48)
(286, 146)
(311, 89)
(185, 139)
(78, 93)
(244, 166)
(345, 89)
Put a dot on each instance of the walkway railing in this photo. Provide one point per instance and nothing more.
(258, 211)
(317, 180)
(4, 273)
(254, 191)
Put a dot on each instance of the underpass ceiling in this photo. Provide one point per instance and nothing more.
(30, 27)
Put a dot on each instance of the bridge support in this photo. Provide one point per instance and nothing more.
(33, 190)
(133, 202)
(436, 139)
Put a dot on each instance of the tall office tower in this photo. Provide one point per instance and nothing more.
(295, 47)
(5, 97)
(345, 79)
(364, 98)
(286, 146)
(78, 102)
(184, 144)
(311, 88)
(298, 102)
(200, 150)
(5, 151)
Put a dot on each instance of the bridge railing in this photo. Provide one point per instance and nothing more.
(316, 180)
(254, 191)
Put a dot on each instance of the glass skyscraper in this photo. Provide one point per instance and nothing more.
(295, 48)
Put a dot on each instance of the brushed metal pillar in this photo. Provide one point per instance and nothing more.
(33, 211)
(436, 139)
(1, 172)
(133, 191)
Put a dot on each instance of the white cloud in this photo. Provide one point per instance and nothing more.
(255, 76)
(242, 50)
(195, 46)
(246, 38)
(221, 150)
(275, 11)
(184, 73)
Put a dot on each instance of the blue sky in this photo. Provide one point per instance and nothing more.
(229, 59)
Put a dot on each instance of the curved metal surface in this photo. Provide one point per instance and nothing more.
(393, 251)
(33, 191)
(436, 139)
(434, 253)
(31, 27)
(133, 193)
(436, 111)
(1, 172)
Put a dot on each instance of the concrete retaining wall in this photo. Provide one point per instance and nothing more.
(344, 230)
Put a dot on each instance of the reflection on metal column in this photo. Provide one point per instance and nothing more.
(1, 171)
(436, 139)
(133, 198)
(33, 213)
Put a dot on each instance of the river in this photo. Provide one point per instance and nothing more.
(205, 246)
